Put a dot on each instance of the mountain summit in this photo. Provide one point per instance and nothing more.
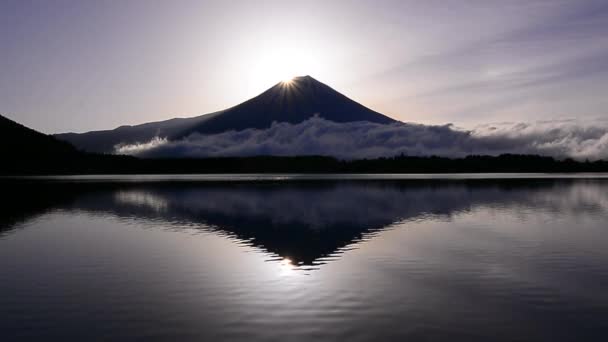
(291, 101)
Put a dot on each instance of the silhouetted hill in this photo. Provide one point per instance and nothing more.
(24, 151)
(18, 142)
(293, 102)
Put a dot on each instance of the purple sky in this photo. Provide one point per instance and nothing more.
(86, 65)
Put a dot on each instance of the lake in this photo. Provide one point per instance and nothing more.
(303, 258)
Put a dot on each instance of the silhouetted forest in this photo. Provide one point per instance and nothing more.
(110, 164)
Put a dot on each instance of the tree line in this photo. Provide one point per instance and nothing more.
(84, 163)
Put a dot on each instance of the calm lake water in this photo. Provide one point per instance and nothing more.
(301, 258)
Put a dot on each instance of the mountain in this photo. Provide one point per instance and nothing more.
(19, 143)
(293, 101)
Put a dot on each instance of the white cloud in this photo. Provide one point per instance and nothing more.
(562, 138)
(318, 136)
(140, 147)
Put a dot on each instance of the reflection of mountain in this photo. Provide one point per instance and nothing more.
(303, 221)
(293, 102)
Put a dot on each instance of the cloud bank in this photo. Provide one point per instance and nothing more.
(317, 136)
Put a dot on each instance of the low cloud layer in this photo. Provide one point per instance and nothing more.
(318, 136)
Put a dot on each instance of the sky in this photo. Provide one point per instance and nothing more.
(84, 65)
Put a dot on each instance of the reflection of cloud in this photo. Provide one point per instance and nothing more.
(369, 205)
(142, 199)
(317, 136)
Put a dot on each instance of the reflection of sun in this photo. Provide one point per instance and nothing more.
(286, 266)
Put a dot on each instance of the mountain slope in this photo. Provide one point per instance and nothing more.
(293, 102)
(104, 141)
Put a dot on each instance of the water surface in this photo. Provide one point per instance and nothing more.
(283, 257)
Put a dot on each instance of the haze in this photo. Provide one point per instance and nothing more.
(88, 65)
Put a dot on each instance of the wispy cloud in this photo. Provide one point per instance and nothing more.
(548, 59)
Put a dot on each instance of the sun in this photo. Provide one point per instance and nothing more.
(280, 60)
(284, 64)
